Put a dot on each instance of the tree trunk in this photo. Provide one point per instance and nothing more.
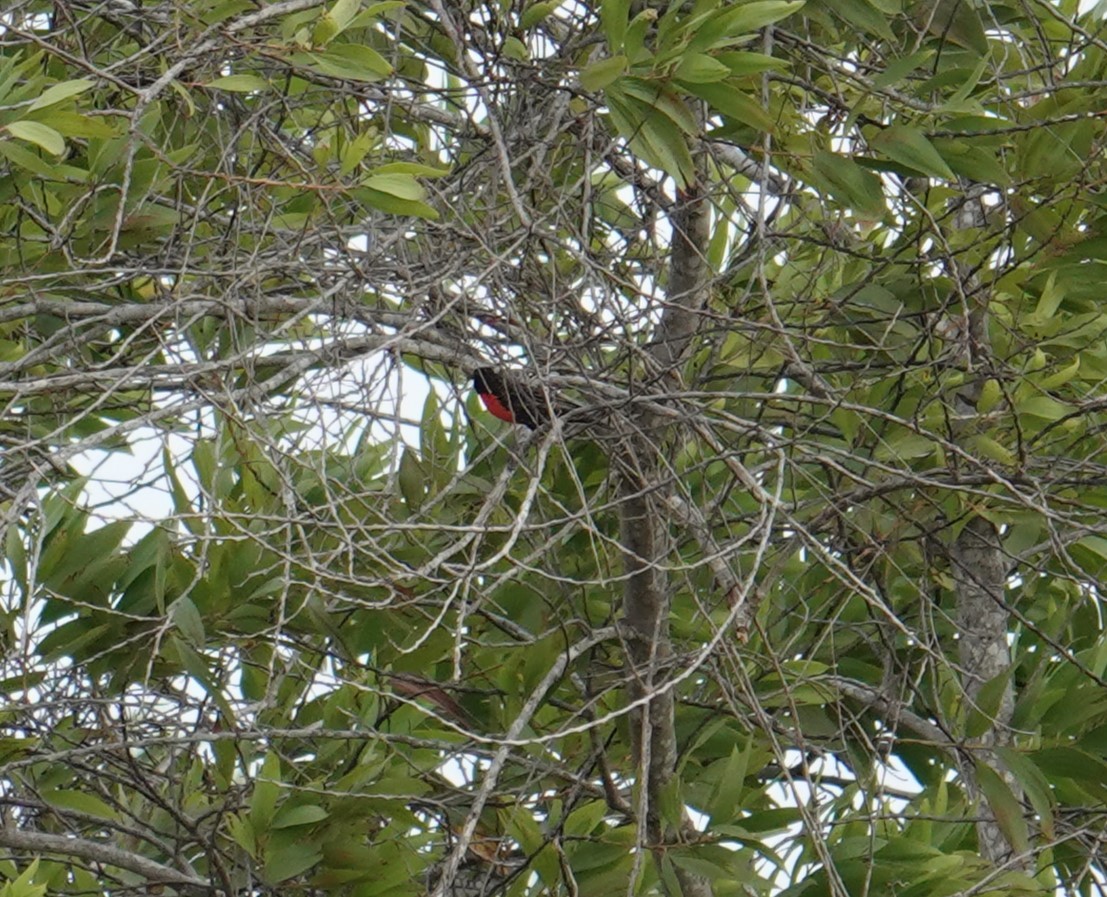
(976, 559)
(647, 543)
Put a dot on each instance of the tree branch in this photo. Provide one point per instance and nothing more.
(95, 852)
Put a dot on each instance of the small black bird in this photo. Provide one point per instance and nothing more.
(508, 398)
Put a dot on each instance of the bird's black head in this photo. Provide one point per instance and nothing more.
(486, 380)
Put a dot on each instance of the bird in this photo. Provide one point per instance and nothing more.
(508, 398)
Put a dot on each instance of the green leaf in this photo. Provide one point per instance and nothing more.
(991, 449)
(742, 63)
(983, 711)
(24, 886)
(39, 134)
(1070, 763)
(1043, 407)
(73, 124)
(1005, 807)
(334, 21)
(81, 801)
(415, 168)
(513, 48)
(977, 163)
(1091, 553)
(239, 83)
(652, 135)
(910, 148)
(305, 814)
(954, 21)
(850, 184)
(654, 96)
(585, 819)
(614, 16)
(957, 100)
(19, 155)
(599, 74)
(188, 621)
(17, 557)
(411, 479)
(84, 552)
(403, 186)
(1061, 377)
(70, 639)
(669, 876)
(733, 102)
(1050, 300)
(290, 860)
(395, 205)
(726, 799)
(865, 16)
(634, 42)
(743, 18)
(905, 446)
(700, 68)
(374, 11)
(243, 834)
(267, 788)
(774, 820)
(536, 13)
(898, 69)
(62, 91)
(181, 503)
(352, 62)
(1034, 784)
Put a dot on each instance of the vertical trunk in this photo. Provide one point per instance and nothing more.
(978, 567)
(646, 610)
(980, 576)
(647, 544)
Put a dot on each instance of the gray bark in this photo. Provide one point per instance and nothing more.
(980, 576)
(106, 854)
(646, 539)
(976, 559)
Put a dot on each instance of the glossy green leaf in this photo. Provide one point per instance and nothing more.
(601, 73)
(303, 814)
(267, 790)
(743, 18)
(615, 16)
(239, 83)
(188, 620)
(81, 801)
(411, 479)
(650, 96)
(403, 186)
(744, 62)
(30, 161)
(700, 68)
(1033, 783)
(652, 133)
(63, 91)
(733, 102)
(348, 61)
(335, 21)
(291, 860)
(411, 168)
(395, 205)
(1005, 807)
(537, 12)
(850, 184)
(909, 147)
(983, 711)
(39, 134)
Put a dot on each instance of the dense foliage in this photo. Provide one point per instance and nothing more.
(799, 595)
